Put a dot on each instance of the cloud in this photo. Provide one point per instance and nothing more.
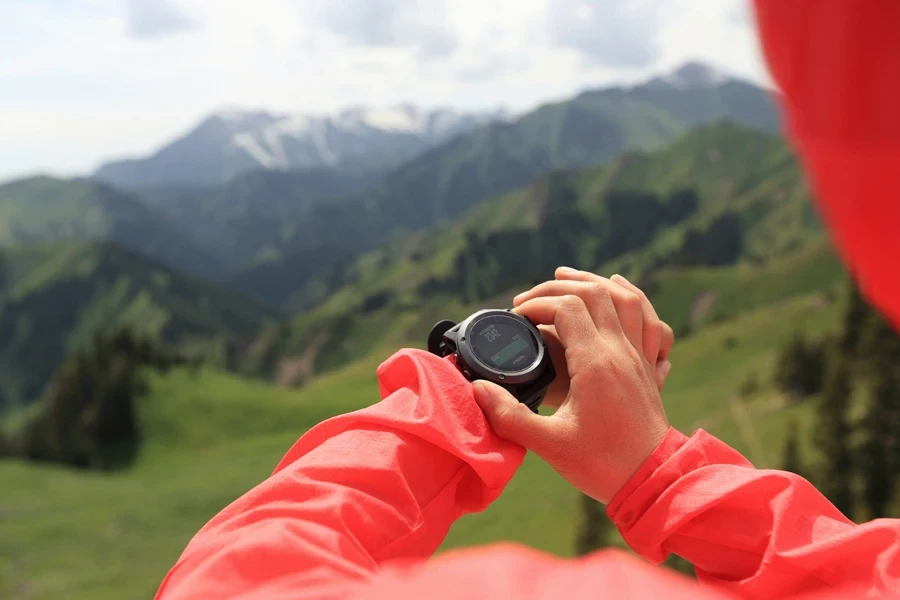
(155, 18)
(393, 24)
(607, 33)
(79, 90)
(493, 66)
(740, 14)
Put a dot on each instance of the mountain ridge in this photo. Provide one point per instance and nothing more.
(45, 209)
(103, 284)
(720, 196)
(229, 143)
(442, 183)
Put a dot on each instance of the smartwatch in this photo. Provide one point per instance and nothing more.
(498, 346)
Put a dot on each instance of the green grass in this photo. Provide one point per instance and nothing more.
(731, 290)
(211, 437)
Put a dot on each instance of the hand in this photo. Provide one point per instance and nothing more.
(658, 337)
(612, 417)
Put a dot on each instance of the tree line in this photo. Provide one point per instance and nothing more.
(857, 429)
(88, 416)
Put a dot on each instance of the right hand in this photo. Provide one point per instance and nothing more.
(657, 341)
(612, 417)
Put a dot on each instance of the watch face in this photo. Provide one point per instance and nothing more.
(503, 343)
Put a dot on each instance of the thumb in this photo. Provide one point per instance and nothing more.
(509, 418)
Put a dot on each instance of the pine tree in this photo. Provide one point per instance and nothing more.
(834, 434)
(792, 460)
(879, 453)
(800, 367)
(593, 528)
(856, 319)
(89, 416)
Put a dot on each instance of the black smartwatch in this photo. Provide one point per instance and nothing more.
(499, 346)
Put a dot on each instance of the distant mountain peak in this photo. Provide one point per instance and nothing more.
(233, 141)
(692, 74)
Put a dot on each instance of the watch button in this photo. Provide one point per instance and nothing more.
(466, 374)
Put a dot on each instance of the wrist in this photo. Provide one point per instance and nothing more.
(671, 441)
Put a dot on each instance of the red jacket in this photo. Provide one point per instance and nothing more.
(362, 496)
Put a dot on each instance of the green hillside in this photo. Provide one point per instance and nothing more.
(210, 437)
(47, 210)
(442, 184)
(252, 215)
(56, 296)
(724, 207)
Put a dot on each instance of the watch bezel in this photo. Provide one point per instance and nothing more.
(485, 371)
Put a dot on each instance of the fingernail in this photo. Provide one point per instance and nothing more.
(517, 299)
(565, 270)
(620, 277)
(666, 368)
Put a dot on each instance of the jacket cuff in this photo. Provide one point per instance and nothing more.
(640, 491)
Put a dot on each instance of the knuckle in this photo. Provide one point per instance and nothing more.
(502, 420)
(571, 302)
(599, 290)
(631, 302)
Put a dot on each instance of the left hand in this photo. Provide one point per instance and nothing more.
(657, 338)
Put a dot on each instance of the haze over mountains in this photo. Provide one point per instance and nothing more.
(295, 212)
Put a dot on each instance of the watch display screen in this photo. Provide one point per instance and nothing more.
(504, 343)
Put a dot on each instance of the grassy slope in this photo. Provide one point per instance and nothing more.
(211, 437)
(102, 285)
(47, 210)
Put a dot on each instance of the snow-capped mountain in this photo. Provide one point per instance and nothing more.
(229, 143)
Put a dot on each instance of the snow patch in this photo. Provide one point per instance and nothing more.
(248, 143)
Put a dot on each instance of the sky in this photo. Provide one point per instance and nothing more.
(85, 81)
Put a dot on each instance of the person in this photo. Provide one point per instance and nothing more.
(359, 504)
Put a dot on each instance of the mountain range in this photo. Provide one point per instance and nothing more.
(227, 144)
(443, 183)
(330, 238)
(722, 195)
(680, 183)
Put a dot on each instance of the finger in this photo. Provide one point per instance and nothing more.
(560, 386)
(663, 368)
(595, 297)
(512, 420)
(666, 342)
(572, 321)
(599, 295)
(659, 335)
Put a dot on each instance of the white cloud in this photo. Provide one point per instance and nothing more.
(419, 25)
(77, 87)
(155, 18)
(608, 32)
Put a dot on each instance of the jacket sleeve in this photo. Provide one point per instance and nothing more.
(836, 63)
(757, 533)
(384, 483)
